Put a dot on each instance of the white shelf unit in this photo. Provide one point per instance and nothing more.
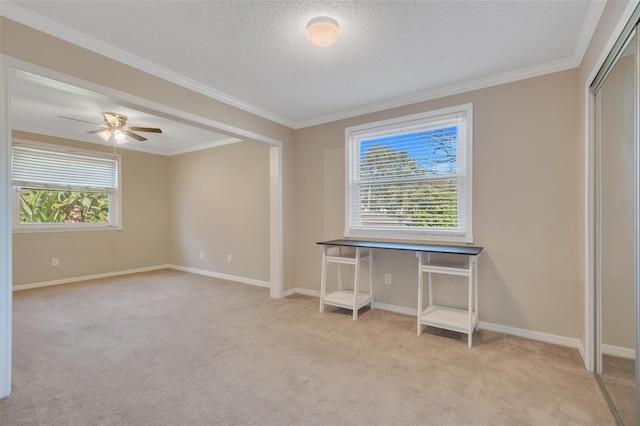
(460, 320)
(348, 299)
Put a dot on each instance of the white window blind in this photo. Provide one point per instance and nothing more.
(410, 177)
(45, 167)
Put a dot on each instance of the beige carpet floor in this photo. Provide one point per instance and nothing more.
(173, 348)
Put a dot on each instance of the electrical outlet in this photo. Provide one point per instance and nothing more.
(229, 258)
(387, 279)
(55, 261)
(201, 255)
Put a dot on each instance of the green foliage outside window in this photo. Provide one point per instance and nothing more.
(52, 206)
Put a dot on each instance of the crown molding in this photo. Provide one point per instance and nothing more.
(40, 23)
(588, 28)
(455, 89)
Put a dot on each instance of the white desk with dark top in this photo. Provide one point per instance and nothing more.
(460, 320)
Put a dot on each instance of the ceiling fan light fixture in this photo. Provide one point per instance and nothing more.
(323, 31)
(119, 136)
(115, 128)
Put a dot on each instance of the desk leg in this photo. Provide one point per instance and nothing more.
(475, 287)
(355, 285)
(430, 278)
(419, 291)
(339, 270)
(323, 279)
(470, 305)
(371, 276)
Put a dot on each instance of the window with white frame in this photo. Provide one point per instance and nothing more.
(61, 188)
(411, 177)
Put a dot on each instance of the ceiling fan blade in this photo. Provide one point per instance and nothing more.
(133, 135)
(103, 133)
(82, 121)
(146, 129)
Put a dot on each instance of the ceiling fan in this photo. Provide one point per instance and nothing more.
(115, 125)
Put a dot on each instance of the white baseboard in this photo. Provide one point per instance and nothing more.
(395, 308)
(250, 281)
(583, 354)
(534, 335)
(520, 332)
(289, 292)
(234, 278)
(88, 277)
(618, 351)
(303, 291)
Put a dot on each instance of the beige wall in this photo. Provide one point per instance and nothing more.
(215, 201)
(525, 202)
(143, 241)
(219, 205)
(617, 205)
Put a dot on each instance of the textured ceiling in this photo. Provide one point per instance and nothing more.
(254, 54)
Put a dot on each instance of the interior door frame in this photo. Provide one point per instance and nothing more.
(590, 288)
(7, 64)
(636, 123)
(628, 26)
(5, 233)
(598, 190)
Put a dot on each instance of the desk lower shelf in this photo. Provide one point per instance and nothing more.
(449, 318)
(344, 299)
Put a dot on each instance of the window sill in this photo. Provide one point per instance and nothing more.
(46, 229)
(427, 238)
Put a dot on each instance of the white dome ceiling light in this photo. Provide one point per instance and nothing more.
(323, 31)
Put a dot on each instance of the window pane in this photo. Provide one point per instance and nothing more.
(50, 206)
(430, 152)
(413, 198)
(411, 204)
(410, 177)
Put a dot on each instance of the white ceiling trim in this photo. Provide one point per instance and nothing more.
(55, 29)
(26, 17)
(588, 28)
(456, 89)
(200, 147)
